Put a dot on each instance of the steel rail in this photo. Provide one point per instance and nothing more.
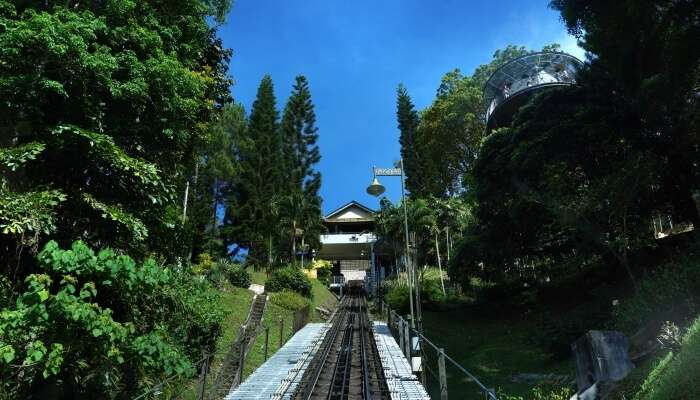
(327, 346)
(346, 359)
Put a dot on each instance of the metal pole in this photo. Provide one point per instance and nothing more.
(443, 374)
(407, 342)
(267, 338)
(408, 253)
(281, 332)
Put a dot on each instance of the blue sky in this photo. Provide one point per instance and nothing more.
(355, 53)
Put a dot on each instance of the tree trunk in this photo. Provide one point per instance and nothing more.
(294, 242)
(437, 251)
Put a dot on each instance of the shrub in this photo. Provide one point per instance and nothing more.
(289, 300)
(204, 264)
(431, 288)
(291, 278)
(83, 316)
(323, 270)
(669, 292)
(397, 296)
(238, 276)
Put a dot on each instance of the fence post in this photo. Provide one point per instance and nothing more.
(407, 342)
(267, 337)
(401, 333)
(443, 374)
(203, 375)
(281, 332)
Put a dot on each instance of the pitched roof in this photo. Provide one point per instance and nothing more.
(351, 204)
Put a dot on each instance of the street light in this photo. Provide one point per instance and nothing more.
(375, 189)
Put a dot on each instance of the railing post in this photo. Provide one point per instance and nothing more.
(401, 335)
(267, 338)
(443, 374)
(407, 342)
(281, 332)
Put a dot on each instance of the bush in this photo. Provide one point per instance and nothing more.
(238, 276)
(83, 316)
(396, 295)
(290, 278)
(431, 288)
(671, 292)
(289, 300)
(204, 264)
(323, 270)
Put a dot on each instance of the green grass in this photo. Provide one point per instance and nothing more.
(490, 347)
(322, 297)
(257, 276)
(675, 376)
(236, 303)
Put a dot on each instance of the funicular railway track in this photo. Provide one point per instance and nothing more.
(347, 364)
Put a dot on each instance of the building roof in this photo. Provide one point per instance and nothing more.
(345, 213)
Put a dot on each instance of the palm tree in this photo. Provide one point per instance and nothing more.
(300, 217)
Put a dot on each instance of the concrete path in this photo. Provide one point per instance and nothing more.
(257, 289)
(265, 381)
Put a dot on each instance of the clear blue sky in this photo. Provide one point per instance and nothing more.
(355, 53)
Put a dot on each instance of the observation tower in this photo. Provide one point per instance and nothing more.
(515, 82)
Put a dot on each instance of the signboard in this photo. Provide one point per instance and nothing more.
(387, 171)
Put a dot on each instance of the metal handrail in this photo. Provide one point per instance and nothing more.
(490, 395)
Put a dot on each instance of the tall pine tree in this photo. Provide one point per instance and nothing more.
(216, 170)
(249, 221)
(408, 121)
(300, 153)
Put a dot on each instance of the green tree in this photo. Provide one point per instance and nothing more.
(649, 51)
(408, 121)
(249, 220)
(300, 203)
(103, 105)
(217, 170)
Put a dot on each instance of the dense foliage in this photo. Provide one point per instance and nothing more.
(238, 276)
(291, 278)
(103, 103)
(106, 106)
(92, 325)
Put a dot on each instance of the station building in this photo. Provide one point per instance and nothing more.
(351, 244)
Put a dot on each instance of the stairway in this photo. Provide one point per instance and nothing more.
(229, 375)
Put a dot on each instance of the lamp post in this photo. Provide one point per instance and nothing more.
(376, 189)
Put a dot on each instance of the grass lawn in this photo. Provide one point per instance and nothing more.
(322, 297)
(492, 348)
(257, 276)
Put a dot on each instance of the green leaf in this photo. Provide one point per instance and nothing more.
(8, 353)
(43, 295)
